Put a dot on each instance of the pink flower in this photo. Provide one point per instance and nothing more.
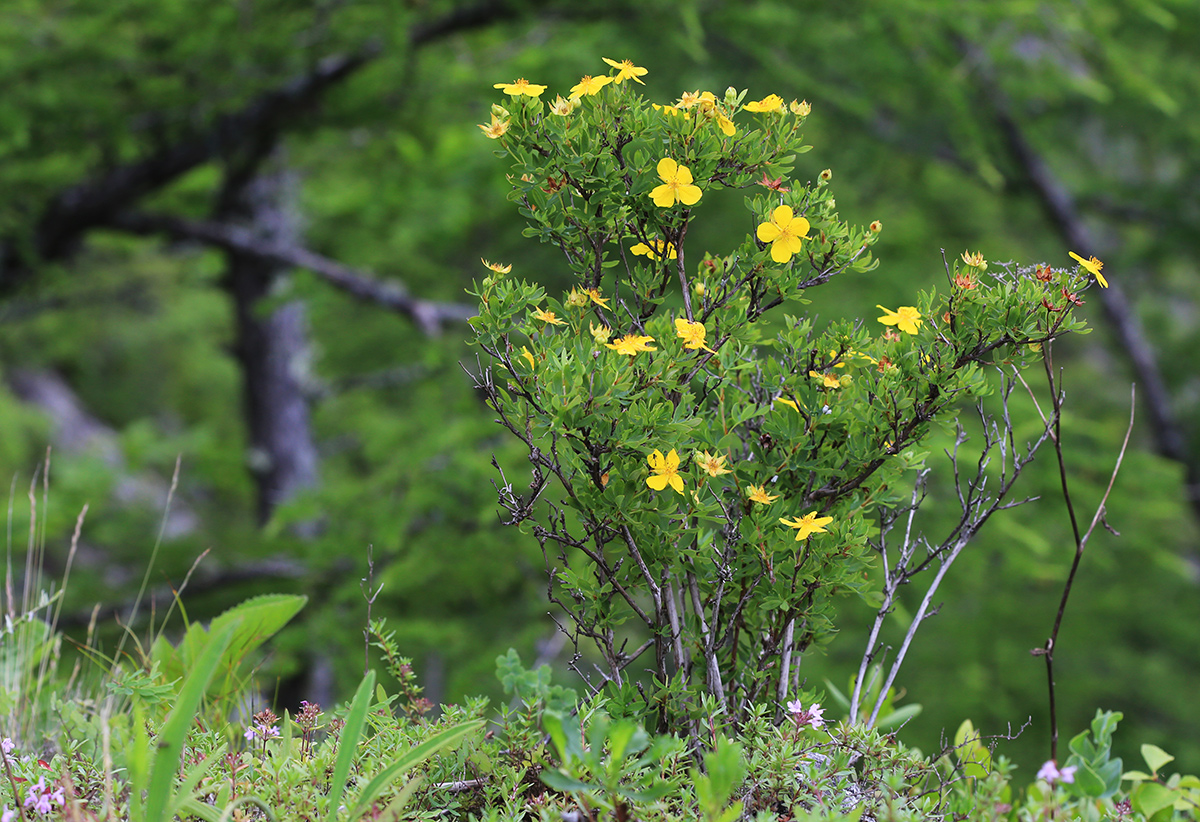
(1052, 773)
(813, 716)
(40, 797)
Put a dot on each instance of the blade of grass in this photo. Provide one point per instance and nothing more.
(166, 756)
(348, 743)
(445, 739)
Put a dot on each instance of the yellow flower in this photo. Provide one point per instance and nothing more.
(546, 317)
(626, 70)
(758, 493)
(525, 353)
(711, 464)
(784, 232)
(666, 471)
(1093, 266)
(906, 318)
(689, 99)
(810, 523)
(692, 334)
(595, 297)
(827, 380)
(654, 250)
(599, 333)
(789, 403)
(499, 268)
(710, 109)
(631, 344)
(562, 106)
(521, 86)
(577, 298)
(800, 109)
(495, 129)
(772, 102)
(589, 85)
(676, 185)
(672, 111)
(975, 260)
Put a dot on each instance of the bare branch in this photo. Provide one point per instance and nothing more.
(428, 315)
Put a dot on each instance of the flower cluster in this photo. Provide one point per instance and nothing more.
(813, 716)
(263, 727)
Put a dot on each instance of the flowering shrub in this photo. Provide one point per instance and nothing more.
(707, 462)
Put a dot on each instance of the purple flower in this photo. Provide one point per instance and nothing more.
(814, 715)
(261, 731)
(1052, 773)
(42, 799)
(8, 745)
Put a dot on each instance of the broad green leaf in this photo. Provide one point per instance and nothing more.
(1150, 797)
(1155, 757)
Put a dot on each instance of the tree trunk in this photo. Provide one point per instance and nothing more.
(271, 346)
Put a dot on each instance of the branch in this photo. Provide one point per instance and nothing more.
(88, 204)
(1170, 439)
(429, 316)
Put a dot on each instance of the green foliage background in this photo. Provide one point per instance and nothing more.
(396, 179)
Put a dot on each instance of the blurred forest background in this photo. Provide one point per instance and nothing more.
(239, 233)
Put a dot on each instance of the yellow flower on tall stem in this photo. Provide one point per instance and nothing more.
(906, 318)
(784, 232)
(810, 523)
(676, 185)
(666, 471)
(1093, 266)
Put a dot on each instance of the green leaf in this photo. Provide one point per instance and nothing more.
(348, 744)
(1155, 757)
(166, 755)
(447, 738)
(1151, 797)
(560, 781)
